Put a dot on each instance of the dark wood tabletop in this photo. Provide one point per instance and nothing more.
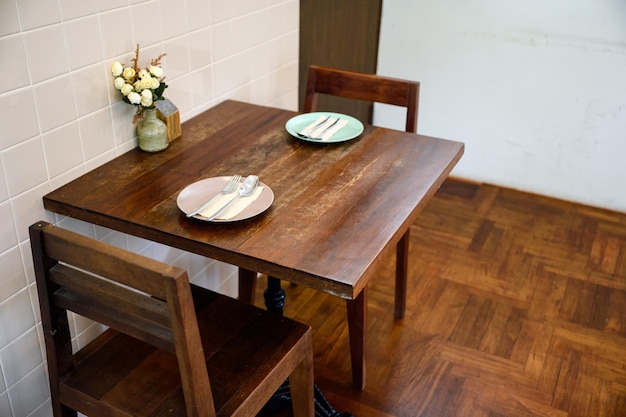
(336, 207)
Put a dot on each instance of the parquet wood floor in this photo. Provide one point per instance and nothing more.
(517, 309)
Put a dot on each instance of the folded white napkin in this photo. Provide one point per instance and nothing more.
(330, 132)
(307, 130)
(235, 209)
(317, 132)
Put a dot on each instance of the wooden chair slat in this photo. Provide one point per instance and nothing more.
(105, 309)
(73, 280)
(105, 260)
(350, 85)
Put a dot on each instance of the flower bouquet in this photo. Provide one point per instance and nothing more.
(140, 87)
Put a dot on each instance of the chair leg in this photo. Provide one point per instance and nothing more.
(63, 411)
(357, 326)
(247, 285)
(402, 267)
(301, 385)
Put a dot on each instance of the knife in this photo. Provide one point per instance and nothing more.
(326, 129)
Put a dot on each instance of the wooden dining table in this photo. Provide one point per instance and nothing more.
(337, 207)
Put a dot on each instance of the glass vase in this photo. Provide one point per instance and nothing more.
(152, 132)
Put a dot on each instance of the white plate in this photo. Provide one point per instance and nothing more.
(192, 196)
(350, 131)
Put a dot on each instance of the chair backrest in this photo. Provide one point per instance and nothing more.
(135, 295)
(366, 87)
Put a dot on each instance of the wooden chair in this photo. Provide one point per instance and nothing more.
(365, 87)
(370, 88)
(171, 348)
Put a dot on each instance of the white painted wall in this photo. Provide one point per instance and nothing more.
(536, 89)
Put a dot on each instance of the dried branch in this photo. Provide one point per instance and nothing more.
(157, 60)
(135, 60)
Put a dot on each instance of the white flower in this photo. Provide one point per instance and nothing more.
(155, 84)
(137, 85)
(128, 73)
(119, 83)
(126, 89)
(134, 98)
(143, 73)
(156, 71)
(146, 101)
(116, 69)
(146, 82)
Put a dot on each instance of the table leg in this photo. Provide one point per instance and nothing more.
(274, 296)
(274, 301)
(402, 270)
(357, 326)
(247, 285)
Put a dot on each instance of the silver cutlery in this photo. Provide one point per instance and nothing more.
(307, 131)
(245, 190)
(230, 187)
(326, 129)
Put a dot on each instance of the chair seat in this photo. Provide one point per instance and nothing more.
(122, 373)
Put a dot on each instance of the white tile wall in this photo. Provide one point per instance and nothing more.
(38, 13)
(18, 117)
(61, 117)
(13, 68)
(45, 52)
(9, 22)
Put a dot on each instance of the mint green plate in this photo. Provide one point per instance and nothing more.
(350, 131)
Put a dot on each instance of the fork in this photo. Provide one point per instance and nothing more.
(229, 188)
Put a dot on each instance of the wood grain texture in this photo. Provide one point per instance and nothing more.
(325, 81)
(517, 308)
(336, 208)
